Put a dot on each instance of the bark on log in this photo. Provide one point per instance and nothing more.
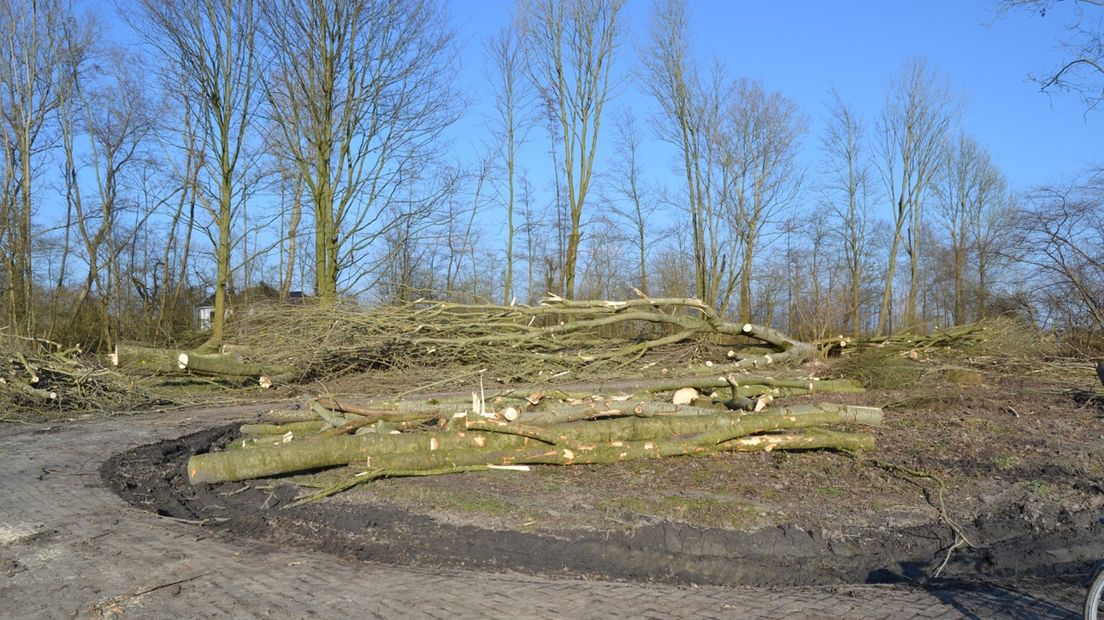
(810, 439)
(226, 366)
(562, 414)
(145, 359)
(29, 390)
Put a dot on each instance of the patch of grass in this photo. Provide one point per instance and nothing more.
(1039, 487)
(1007, 461)
(832, 492)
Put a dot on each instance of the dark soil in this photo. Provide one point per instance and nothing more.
(1017, 465)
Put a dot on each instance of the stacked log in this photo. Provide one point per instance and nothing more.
(427, 438)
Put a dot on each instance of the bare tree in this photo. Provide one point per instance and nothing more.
(360, 92)
(847, 181)
(631, 201)
(1082, 69)
(183, 174)
(210, 46)
(671, 77)
(570, 46)
(1064, 228)
(968, 185)
(693, 104)
(759, 138)
(35, 53)
(991, 235)
(506, 56)
(918, 113)
(118, 119)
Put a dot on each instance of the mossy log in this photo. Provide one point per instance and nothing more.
(145, 360)
(809, 439)
(596, 441)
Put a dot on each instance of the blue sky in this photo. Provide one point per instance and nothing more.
(803, 47)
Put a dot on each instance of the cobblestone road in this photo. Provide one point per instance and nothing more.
(69, 548)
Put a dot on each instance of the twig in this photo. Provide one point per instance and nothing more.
(960, 536)
(196, 521)
(369, 475)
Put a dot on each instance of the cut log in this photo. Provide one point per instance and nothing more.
(29, 390)
(684, 396)
(755, 382)
(145, 360)
(226, 366)
(810, 439)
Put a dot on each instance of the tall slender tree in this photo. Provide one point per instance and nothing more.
(631, 195)
(759, 137)
(918, 113)
(846, 182)
(509, 127)
(692, 104)
(570, 47)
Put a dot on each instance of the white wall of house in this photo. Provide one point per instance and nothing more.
(204, 315)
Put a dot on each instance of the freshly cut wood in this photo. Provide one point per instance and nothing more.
(602, 408)
(331, 451)
(754, 382)
(720, 423)
(388, 412)
(684, 396)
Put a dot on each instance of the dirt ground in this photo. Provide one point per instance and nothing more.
(998, 482)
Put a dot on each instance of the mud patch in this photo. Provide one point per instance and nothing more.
(1042, 543)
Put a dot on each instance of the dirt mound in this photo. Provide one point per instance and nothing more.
(1013, 541)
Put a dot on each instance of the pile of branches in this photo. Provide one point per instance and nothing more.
(999, 336)
(514, 431)
(519, 342)
(39, 378)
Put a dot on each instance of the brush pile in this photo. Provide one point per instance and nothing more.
(39, 378)
(516, 343)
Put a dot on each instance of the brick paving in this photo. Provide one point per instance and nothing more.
(70, 548)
